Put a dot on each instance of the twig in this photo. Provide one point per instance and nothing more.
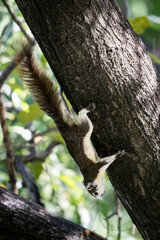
(16, 20)
(4, 75)
(37, 134)
(107, 218)
(12, 65)
(119, 215)
(29, 181)
(41, 155)
(10, 160)
(37, 156)
(110, 216)
(126, 8)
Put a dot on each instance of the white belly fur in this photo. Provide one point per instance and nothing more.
(88, 148)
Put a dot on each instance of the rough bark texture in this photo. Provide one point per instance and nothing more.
(22, 219)
(97, 57)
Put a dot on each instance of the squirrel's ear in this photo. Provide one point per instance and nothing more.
(90, 185)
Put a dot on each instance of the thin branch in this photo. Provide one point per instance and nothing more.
(4, 75)
(126, 8)
(37, 156)
(119, 215)
(40, 156)
(10, 160)
(29, 181)
(37, 134)
(16, 20)
(110, 216)
(107, 220)
(12, 65)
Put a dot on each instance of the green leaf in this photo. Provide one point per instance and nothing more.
(33, 113)
(139, 24)
(36, 169)
(56, 135)
(69, 181)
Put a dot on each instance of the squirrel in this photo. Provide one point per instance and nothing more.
(75, 130)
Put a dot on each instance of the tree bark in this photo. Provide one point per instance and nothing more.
(22, 219)
(97, 57)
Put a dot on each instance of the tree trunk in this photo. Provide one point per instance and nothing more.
(22, 219)
(97, 57)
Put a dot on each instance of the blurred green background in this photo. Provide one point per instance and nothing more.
(58, 177)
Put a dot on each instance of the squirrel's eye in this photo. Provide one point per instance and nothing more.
(95, 193)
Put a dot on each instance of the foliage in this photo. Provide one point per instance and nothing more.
(144, 17)
(58, 177)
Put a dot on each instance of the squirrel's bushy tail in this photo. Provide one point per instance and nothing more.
(40, 85)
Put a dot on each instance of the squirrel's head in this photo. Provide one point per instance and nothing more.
(93, 177)
(93, 181)
(95, 189)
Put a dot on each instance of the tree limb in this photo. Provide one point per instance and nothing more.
(22, 219)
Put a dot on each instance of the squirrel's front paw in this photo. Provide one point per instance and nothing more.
(120, 153)
(91, 106)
